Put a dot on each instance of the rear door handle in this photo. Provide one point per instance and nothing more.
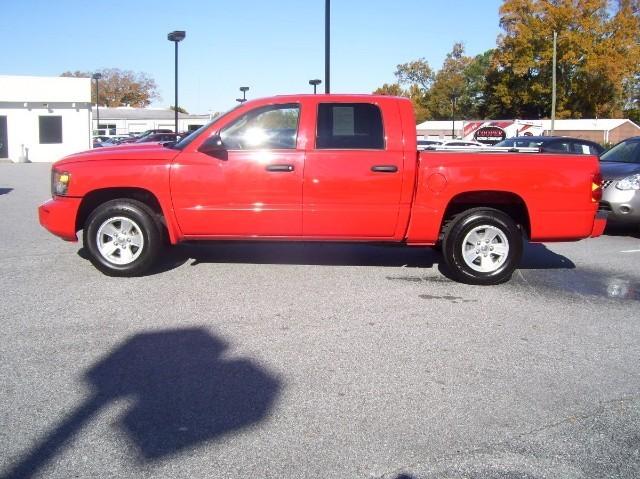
(384, 168)
(284, 168)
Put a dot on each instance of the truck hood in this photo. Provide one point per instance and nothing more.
(612, 170)
(142, 151)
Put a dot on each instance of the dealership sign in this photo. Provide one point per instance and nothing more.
(490, 134)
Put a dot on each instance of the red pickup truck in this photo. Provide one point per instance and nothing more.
(321, 168)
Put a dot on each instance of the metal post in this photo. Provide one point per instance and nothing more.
(453, 117)
(327, 46)
(98, 103)
(175, 105)
(553, 86)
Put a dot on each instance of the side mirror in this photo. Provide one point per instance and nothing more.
(213, 146)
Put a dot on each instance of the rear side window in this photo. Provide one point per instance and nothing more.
(352, 126)
(584, 149)
(559, 146)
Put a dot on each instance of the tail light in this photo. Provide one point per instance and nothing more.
(596, 188)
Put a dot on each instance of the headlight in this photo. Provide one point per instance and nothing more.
(59, 182)
(629, 183)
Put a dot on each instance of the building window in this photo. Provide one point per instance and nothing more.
(109, 129)
(50, 130)
(349, 126)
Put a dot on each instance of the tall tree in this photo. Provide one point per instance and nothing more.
(418, 76)
(598, 51)
(121, 88)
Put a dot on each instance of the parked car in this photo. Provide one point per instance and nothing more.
(98, 140)
(423, 144)
(159, 138)
(554, 144)
(349, 172)
(467, 143)
(620, 168)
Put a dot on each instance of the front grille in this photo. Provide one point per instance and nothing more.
(604, 206)
(606, 183)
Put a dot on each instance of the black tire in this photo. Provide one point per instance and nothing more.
(481, 222)
(147, 233)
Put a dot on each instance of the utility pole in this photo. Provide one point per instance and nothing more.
(327, 46)
(553, 86)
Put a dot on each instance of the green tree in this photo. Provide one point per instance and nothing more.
(598, 52)
(180, 109)
(121, 88)
(418, 76)
(450, 87)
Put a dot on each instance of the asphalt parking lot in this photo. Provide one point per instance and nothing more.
(321, 361)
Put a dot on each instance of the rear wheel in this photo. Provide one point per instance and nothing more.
(122, 237)
(482, 246)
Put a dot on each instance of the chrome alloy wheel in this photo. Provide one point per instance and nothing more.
(120, 240)
(485, 248)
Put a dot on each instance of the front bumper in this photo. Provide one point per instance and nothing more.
(58, 215)
(623, 205)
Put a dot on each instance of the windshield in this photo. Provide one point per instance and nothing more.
(194, 134)
(625, 152)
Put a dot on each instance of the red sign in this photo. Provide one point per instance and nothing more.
(489, 134)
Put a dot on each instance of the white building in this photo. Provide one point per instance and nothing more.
(125, 120)
(44, 118)
(602, 130)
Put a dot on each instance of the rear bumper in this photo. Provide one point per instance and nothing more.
(58, 215)
(599, 223)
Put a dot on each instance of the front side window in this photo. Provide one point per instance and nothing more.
(273, 127)
(50, 130)
(349, 126)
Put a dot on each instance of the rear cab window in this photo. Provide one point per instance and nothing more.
(351, 126)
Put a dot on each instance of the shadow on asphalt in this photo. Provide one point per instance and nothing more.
(5, 191)
(535, 256)
(619, 230)
(184, 394)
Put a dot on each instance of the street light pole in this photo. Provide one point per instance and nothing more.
(315, 83)
(176, 37)
(96, 77)
(327, 46)
(553, 86)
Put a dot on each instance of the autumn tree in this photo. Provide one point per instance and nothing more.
(391, 89)
(598, 53)
(121, 87)
(417, 76)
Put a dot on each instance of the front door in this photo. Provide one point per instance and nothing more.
(4, 146)
(254, 189)
(353, 176)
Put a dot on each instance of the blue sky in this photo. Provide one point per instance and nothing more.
(274, 47)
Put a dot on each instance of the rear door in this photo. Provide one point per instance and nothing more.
(353, 171)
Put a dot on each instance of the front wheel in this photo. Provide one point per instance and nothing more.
(482, 246)
(122, 238)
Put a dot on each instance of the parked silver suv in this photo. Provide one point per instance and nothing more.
(620, 167)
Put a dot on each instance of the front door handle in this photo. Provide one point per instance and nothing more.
(384, 168)
(284, 168)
